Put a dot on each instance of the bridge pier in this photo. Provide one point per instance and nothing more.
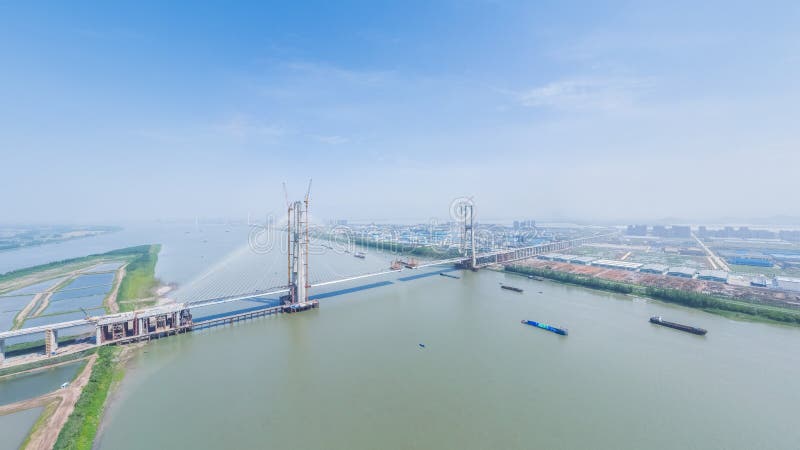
(50, 342)
(2, 351)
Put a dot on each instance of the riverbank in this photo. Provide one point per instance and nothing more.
(79, 430)
(139, 284)
(736, 309)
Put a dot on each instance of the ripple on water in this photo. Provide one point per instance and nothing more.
(14, 427)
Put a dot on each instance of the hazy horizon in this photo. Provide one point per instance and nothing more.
(607, 113)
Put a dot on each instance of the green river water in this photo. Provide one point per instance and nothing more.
(352, 375)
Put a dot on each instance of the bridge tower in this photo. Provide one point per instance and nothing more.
(297, 254)
(466, 212)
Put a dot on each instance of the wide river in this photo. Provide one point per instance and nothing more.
(352, 375)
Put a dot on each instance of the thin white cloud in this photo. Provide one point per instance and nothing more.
(332, 140)
(243, 127)
(583, 94)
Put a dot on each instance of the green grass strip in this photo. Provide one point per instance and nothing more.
(139, 280)
(81, 427)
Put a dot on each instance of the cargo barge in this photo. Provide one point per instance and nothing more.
(449, 276)
(510, 288)
(544, 326)
(689, 329)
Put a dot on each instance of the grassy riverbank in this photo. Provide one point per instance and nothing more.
(140, 280)
(717, 305)
(81, 427)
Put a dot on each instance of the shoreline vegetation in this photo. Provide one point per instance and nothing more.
(139, 281)
(82, 425)
(730, 308)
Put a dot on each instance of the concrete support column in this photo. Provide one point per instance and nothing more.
(98, 335)
(50, 341)
(2, 350)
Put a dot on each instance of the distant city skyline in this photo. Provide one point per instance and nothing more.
(601, 112)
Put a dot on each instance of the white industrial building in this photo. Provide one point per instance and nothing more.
(615, 264)
(787, 283)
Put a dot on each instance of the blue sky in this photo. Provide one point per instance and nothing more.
(595, 111)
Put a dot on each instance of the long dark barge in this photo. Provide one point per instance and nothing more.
(449, 276)
(544, 326)
(510, 288)
(689, 329)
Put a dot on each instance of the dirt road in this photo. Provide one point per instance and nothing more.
(111, 301)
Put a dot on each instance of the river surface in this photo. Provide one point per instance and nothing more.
(14, 427)
(36, 383)
(352, 375)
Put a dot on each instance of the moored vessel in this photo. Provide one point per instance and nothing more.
(510, 288)
(678, 326)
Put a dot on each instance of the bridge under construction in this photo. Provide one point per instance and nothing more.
(174, 318)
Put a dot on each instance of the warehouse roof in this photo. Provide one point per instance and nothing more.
(613, 263)
(582, 259)
(682, 271)
(713, 275)
(660, 268)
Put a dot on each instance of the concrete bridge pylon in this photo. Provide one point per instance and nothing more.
(297, 254)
